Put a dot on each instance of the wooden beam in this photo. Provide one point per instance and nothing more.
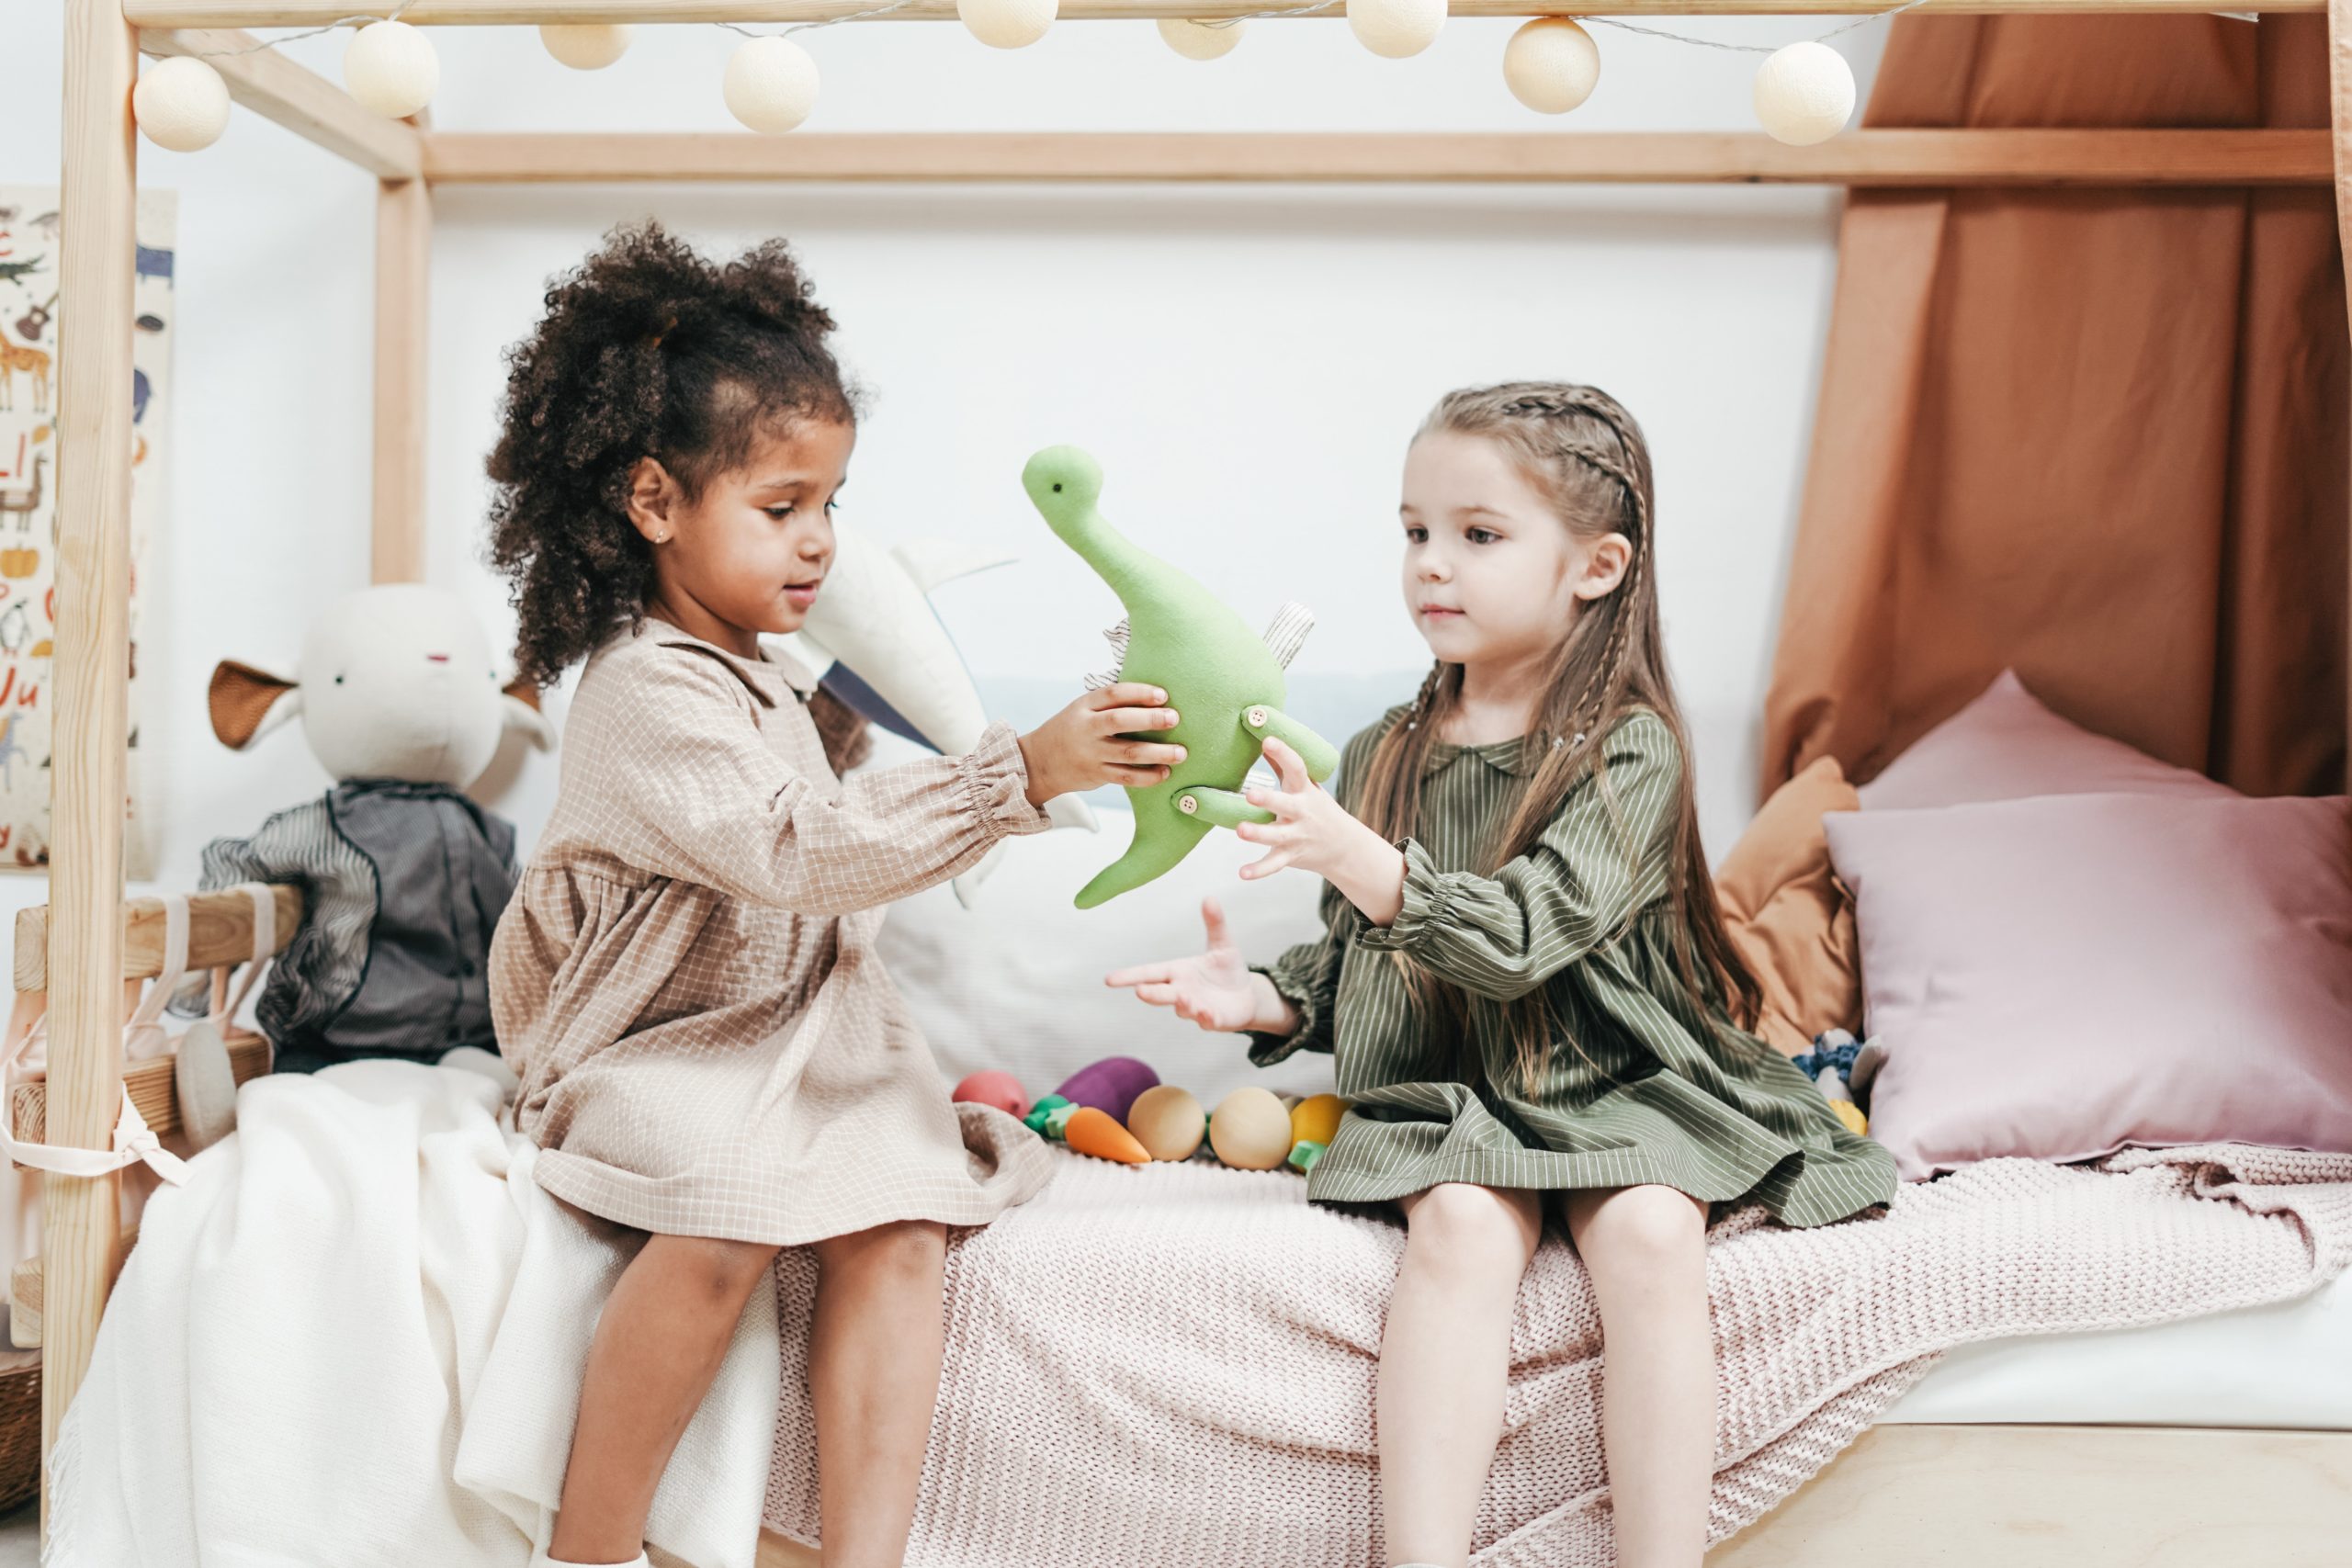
(517, 13)
(300, 99)
(220, 932)
(403, 284)
(90, 680)
(2339, 79)
(1857, 158)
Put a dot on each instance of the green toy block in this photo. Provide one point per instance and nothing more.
(1223, 679)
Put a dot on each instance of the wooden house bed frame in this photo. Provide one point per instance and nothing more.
(2087, 1496)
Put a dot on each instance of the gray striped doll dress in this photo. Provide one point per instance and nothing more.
(1640, 1085)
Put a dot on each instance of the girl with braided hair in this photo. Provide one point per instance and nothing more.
(685, 980)
(1526, 979)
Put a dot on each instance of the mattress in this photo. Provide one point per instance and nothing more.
(2288, 1365)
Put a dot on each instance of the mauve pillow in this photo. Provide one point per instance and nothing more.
(2007, 745)
(2063, 975)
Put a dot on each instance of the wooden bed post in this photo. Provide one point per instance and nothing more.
(2339, 81)
(89, 684)
(403, 266)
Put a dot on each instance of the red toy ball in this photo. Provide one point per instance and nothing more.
(1001, 1090)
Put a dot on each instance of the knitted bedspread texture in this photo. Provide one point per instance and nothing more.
(1174, 1363)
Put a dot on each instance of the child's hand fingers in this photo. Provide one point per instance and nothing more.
(1289, 764)
(1140, 974)
(1135, 720)
(1213, 919)
(1126, 694)
(1134, 777)
(1271, 863)
(1267, 832)
(1158, 996)
(1145, 753)
(1284, 806)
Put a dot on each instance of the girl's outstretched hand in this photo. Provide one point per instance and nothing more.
(1215, 990)
(1313, 832)
(1082, 745)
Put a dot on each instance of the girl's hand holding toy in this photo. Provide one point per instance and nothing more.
(1313, 832)
(1091, 742)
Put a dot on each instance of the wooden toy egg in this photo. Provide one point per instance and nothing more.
(1109, 1085)
(1093, 1132)
(1315, 1120)
(1168, 1122)
(1250, 1130)
(1001, 1090)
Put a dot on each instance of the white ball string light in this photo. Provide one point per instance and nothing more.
(1007, 24)
(771, 85)
(390, 68)
(181, 105)
(1551, 64)
(1804, 93)
(586, 46)
(1395, 29)
(1201, 41)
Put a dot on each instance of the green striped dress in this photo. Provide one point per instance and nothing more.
(1641, 1085)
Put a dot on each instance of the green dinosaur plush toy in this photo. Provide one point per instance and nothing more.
(1223, 680)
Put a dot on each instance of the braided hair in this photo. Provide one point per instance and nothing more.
(647, 350)
(1580, 449)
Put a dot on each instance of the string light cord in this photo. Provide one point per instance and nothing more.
(260, 44)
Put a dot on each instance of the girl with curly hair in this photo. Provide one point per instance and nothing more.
(685, 980)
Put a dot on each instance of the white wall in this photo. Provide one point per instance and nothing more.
(1246, 362)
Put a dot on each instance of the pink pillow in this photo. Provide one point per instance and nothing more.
(2007, 745)
(2061, 976)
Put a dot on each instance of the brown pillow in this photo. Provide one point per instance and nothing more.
(1789, 917)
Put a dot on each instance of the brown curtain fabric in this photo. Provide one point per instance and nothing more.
(2099, 435)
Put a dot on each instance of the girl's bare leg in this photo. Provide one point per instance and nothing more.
(874, 1359)
(659, 1342)
(1444, 1360)
(1646, 1248)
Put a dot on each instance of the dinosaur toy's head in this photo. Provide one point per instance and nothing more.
(1065, 483)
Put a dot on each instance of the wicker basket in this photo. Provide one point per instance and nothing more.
(19, 1428)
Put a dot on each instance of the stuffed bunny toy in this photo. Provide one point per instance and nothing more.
(404, 876)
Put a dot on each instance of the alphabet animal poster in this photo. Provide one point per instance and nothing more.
(30, 315)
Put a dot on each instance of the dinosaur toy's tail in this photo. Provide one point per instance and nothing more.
(1152, 853)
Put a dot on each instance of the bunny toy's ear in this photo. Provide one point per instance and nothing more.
(522, 703)
(247, 704)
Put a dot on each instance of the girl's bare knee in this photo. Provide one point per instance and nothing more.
(1640, 1231)
(716, 1270)
(910, 1249)
(1459, 1226)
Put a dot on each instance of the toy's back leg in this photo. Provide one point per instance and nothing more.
(1162, 838)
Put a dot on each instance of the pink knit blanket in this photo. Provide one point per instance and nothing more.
(1174, 1363)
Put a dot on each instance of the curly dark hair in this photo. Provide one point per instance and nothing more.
(647, 349)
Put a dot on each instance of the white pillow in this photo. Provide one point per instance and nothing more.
(1016, 982)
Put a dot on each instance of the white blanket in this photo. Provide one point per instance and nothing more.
(355, 1337)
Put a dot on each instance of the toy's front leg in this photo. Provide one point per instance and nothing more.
(1223, 807)
(1322, 757)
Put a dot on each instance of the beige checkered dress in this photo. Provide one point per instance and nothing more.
(685, 980)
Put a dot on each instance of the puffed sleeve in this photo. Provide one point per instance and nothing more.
(699, 795)
(1602, 859)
